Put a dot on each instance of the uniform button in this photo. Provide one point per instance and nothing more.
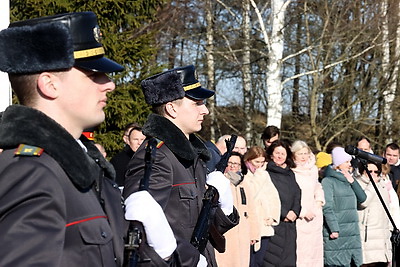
(103, 234)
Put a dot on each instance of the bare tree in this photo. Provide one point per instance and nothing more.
(246, 71)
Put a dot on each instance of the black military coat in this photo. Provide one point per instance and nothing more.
(56, 206)
(177, 183)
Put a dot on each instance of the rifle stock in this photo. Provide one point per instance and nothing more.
(204, 228)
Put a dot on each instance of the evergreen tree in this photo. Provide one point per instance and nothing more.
(128, 38)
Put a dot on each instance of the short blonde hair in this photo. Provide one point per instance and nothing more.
(298, 145)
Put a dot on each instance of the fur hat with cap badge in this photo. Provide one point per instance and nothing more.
(174, 84)
(54, 43)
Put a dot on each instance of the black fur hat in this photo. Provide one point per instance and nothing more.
(174, 84)
(54, 43)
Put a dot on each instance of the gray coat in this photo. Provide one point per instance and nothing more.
(340, 215)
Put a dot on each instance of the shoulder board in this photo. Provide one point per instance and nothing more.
(159, 143)
(27, 150)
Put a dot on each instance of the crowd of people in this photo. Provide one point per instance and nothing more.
(61, 202)
(315, 208)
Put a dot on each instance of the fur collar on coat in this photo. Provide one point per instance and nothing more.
(163, 129)
(24, 125)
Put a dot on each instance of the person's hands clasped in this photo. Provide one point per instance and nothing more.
(141, 206)
(222, 184)
(290, 217)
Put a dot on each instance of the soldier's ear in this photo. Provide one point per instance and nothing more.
(170, 110)
(47, 85)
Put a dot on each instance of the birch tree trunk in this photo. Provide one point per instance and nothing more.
(394, 82)
(210, 66)
(390, 88)
(246, 68)
(275, 53)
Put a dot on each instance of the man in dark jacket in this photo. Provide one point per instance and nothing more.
(58, 205)
(133, 138)
(178, 179)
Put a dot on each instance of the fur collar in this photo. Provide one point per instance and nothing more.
(24, 125)
(163, 129)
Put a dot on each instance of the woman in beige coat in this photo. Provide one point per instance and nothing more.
(266, 201)
(239, 238)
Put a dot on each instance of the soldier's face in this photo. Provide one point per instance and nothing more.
(84, 96)
(190, 115)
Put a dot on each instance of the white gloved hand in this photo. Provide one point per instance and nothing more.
(202, 261)
(222, 184)
(141, 206)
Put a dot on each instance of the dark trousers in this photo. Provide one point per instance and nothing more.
(257, 257)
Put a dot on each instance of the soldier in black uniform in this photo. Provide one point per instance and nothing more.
(178, 178)
(58, 203)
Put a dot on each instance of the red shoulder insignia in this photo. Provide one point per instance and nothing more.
(160, 143)
(27, 150)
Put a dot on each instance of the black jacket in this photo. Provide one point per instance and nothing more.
(120, 162)
(177, 183)
(57, 208)
(281, 249)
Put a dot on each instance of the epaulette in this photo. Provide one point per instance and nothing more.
(27, 150)
(159, 143)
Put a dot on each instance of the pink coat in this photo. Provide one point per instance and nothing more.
(309, 233)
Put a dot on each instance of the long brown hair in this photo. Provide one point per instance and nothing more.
(254, 152)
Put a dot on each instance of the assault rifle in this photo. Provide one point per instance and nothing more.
(136, 233)
(205, 228)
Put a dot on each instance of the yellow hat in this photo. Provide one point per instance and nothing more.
(323, 159)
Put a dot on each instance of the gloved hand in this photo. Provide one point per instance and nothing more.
(141, 206)
(222, 184)
(202, 261)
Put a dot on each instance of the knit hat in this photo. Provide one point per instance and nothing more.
(339, 156)
(323, 159)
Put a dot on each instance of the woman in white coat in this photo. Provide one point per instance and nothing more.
(373, 221)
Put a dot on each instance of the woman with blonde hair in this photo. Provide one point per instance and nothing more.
(310, 250)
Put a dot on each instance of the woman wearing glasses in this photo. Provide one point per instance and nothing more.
(239, 238)
(373, 221)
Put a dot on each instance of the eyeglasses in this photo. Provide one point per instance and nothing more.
(233, 164)
(376, 172)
